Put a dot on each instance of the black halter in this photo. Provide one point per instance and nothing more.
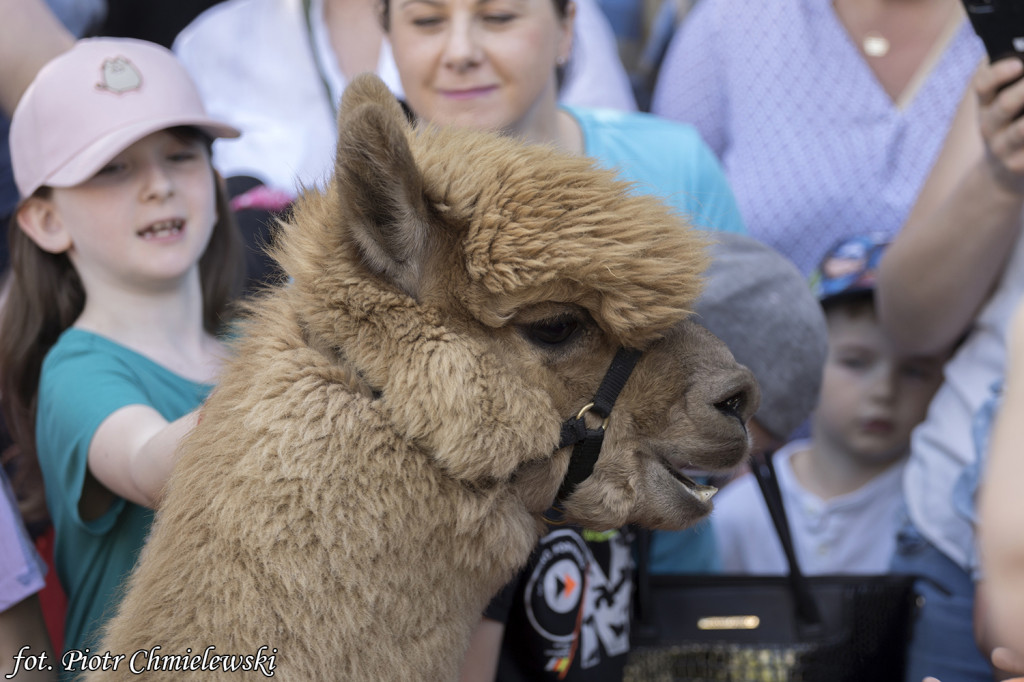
(587, 442)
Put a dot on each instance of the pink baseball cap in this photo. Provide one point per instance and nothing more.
(92, 102)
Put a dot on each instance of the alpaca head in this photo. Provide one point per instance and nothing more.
(481, 288)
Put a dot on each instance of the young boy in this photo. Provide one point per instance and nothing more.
(842, 487)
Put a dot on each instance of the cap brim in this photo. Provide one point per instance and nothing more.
(85, 163)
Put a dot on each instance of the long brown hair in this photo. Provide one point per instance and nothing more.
(44, 296)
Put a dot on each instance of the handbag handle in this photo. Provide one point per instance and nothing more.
(642, 628)
(767, 480)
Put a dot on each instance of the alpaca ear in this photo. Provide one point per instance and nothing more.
(378, 184)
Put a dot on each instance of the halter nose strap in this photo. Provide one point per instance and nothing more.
(587, 442)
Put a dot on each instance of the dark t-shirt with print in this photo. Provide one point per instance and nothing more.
(567, 613)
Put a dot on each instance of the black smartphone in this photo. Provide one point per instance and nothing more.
(999, 24)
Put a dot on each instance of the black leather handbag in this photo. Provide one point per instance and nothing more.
(793, 628)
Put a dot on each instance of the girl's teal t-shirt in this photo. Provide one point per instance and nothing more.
(85, 378)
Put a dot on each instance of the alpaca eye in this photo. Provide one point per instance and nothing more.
(552, 332)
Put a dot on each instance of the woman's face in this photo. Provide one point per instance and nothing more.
(483, 64)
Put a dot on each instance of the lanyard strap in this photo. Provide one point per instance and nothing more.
(307, 11)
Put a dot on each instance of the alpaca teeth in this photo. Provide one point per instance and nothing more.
(705, 492)
(702, 492)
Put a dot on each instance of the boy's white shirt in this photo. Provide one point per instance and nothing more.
(852, 533)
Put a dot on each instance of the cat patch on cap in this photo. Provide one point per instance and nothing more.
(119, 75)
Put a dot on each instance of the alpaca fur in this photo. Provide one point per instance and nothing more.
(374, 462)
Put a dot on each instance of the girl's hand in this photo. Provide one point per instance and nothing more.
(1000, 91)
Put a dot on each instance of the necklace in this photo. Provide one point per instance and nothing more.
(875, 44)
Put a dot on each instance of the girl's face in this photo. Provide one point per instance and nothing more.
(483, 64)
(144, 219)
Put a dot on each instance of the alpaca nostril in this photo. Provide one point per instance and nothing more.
(733, 405)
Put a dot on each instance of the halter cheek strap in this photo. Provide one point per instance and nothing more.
(587, 442)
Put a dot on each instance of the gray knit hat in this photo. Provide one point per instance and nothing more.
(757, 302)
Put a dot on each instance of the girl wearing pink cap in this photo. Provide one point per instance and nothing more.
(124, 261)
